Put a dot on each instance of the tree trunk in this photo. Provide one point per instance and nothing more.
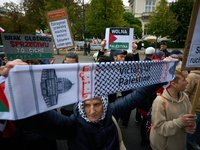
(58, 52)
(156, 43)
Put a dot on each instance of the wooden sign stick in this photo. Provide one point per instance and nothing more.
(196, 99)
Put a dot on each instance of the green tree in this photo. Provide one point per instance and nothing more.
(50, 5)
(103, 14)
(182, 10)
(133, 22)
(129, 18)
(162, 21)
(13, 20)
(32, 15)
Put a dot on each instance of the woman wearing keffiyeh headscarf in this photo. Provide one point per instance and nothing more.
(90, 127)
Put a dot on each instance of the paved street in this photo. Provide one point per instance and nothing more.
(131, 134)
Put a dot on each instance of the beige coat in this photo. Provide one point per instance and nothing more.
(167, 133)
(193, 79)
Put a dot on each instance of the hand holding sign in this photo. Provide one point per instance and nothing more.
(103, 44)
(134, 47)
(191, 59)
(4, 70)
(119, 38)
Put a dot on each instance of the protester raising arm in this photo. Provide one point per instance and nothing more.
(134, 99)
(135, 53)
(91, 125)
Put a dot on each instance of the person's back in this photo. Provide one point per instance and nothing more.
(193, 79)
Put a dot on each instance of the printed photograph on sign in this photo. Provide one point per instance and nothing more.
(27, 47)
(119, 38)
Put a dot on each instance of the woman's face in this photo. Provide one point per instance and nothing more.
(163, 57)
(93, 109)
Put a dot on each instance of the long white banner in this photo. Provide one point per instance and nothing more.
(35, 89)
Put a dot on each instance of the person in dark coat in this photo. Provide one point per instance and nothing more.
(146, 105)
(88, 48)
(163, 48)
(91, 126)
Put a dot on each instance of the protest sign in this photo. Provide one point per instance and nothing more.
(60, 28)
(27, 47)
(191, 58)
(53, 86)
(119, 38)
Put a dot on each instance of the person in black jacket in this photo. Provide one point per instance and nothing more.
(91, 126)
(146, 105)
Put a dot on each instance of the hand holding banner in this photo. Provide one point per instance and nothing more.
(53, 86)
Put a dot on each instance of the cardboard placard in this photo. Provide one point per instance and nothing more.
(27, 47)
(119, 38)
(60, 28)
(191, 58)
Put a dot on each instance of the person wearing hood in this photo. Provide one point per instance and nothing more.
(160, 55)
(193, 79)
(170, 116)
(91, 126)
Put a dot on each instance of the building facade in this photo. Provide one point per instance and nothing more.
(141, 10)
(2, 11)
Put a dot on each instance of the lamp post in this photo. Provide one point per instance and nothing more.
(85, 53)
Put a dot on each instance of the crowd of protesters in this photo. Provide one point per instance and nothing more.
(89, 125)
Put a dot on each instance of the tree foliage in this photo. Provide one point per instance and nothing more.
(29, 15)
(103, 14)
(162, 21)
(32, 15)
(133, 22)
(182, 10)
(13, 19)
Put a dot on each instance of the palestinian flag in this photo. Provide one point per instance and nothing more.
(37, 31)
(4, 106)
(1, 30)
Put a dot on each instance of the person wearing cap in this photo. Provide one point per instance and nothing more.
(147, 103)
(118, 55)
(103, 51)
(150, 53)
(163, 48)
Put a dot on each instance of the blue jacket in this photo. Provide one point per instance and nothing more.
(167, 53)
(81, 134)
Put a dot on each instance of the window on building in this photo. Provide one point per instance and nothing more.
(149, 6)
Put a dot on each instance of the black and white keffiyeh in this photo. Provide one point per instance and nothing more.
(104, 100)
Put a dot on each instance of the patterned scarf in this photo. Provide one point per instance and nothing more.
(104, 100)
